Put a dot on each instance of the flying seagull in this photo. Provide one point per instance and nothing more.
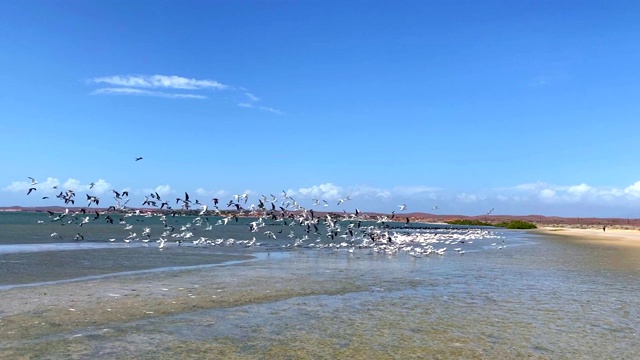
(30, 190)
(139, 158)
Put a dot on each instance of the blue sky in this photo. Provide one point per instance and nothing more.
(524, 107)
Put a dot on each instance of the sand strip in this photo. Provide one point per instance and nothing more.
(622, 237)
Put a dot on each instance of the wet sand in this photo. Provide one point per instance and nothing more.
(49, 321)
(611, 236)
(327, 305)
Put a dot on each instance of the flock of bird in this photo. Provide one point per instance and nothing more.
(268, 219)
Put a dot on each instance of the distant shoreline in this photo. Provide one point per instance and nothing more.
(541, 221)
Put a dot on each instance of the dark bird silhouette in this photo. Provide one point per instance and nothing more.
(92, 199)
(139, 158)
(30, 190)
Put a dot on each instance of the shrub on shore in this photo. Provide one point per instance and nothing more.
(512, 224)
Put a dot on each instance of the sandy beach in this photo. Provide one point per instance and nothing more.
(628, 237)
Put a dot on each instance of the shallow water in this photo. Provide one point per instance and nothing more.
(538, 297)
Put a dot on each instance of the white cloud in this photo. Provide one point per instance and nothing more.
(163, 86)
(271, 110)
(547, 194)
(327, 191)
(132, 91)
(210, 193)
(160, 81)
(467, 198)
(252, 97)
(530, 186)
(574, 193)
(414, 190)
(633, 189)
(367, 191)
(579, 190)
(99, 187)
(71, 184)
(162, 190)
(17, 186)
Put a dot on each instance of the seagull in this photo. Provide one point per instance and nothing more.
(30, 190)
(402, 207)
(91, 185)
(33, 181)
(78, 237)
(139, 158)
(93, 199)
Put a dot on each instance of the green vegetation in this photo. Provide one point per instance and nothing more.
(512, 224)
(516, 224)
(469, 222)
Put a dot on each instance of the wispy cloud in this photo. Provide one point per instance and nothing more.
(160, 81)
(251, 100)
(271, 110)
(165, 86)
(132, 91)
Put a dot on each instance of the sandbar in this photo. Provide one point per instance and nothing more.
(609, 236)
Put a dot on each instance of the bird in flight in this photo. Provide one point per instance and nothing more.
(33, 181)
(30, 190)
(402, 207)
(139, 158)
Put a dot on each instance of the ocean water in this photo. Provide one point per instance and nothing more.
(511, 294)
